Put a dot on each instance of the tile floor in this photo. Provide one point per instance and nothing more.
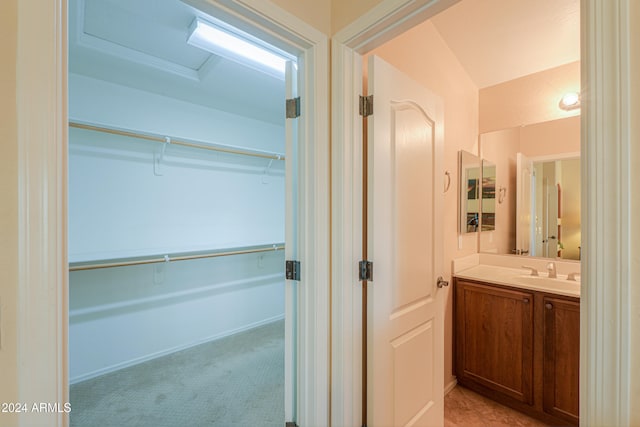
(465, 408)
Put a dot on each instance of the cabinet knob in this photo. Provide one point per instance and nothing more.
(549, 306)
(525, 300)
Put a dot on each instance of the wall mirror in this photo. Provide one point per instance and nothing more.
(536, 190)
(470, 191)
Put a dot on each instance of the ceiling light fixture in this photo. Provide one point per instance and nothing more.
(570, 101)
(236, 46)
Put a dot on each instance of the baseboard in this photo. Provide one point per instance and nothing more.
(450, 386)
(155, 355)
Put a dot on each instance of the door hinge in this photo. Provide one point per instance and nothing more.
(366, 105)
(292, 270)
(293, 108)
(366, 270)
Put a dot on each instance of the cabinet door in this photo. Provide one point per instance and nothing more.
(561, 358)
(494, 339)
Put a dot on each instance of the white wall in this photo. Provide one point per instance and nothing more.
(112, 104)
(121, 316)
(120, 205)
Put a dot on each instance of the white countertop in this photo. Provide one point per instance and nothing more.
(520, 278)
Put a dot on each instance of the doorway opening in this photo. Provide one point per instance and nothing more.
(429, 54)
(179, 157)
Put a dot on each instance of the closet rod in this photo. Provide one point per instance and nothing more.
(168, 258)
(192, 144)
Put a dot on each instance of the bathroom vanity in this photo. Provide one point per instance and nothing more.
(517, 339)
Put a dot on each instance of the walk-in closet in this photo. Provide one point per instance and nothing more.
(177, 160)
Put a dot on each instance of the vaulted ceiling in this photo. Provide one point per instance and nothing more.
(143, 44)
(501, 40)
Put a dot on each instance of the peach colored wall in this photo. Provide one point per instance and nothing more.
(634, 315)
(343, 12)
(529, 99)
(328, 16)
(423, 55)
(8, 208)
(500, 147)
(570, 228)
(553, 137)
(316, 13)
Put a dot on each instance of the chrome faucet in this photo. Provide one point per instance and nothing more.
(533, 271)
(551, 268)
(572, 276)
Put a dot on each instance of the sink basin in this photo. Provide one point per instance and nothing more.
(548, 284)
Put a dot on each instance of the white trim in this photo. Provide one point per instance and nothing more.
(553, 157)
(388, 19)
(88, 41)
(606, 217)
(42, 207)
(346, 190)
(42, 128)
(291, 251)
(605, 328)
(137, 303)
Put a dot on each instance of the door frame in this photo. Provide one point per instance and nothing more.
(41, 88)
(606, 146)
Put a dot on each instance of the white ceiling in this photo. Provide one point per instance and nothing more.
(143, 44)
(500, 40)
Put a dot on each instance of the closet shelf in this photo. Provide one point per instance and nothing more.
(179, 256)
(178, 141)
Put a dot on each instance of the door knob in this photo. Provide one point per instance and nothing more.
(441, 282)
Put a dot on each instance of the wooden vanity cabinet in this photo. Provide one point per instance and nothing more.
(561, 360)
(519, 347)
(494, 338)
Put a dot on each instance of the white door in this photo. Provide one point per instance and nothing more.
(405, 242)
(525, 232)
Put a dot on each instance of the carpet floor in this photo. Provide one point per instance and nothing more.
(233, 381)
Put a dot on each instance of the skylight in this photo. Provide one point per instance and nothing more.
(237, 47)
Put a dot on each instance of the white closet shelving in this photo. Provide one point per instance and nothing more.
(166, 139)
(141, 199)
(181, 256)
(181, 253)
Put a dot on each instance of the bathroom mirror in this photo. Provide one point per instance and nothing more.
(555, 206)
(536, 190)
(470, 187)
